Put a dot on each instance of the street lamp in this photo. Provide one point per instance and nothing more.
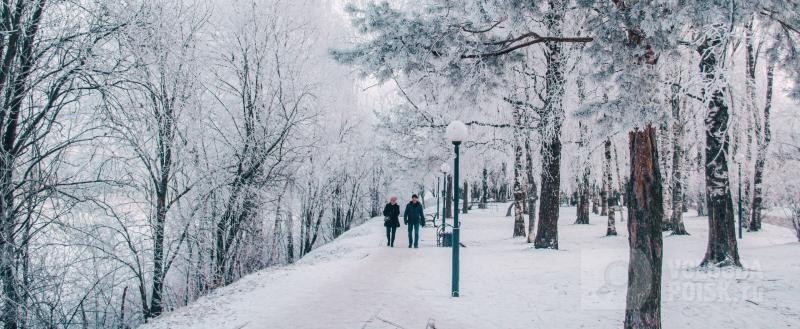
(437, 200)
(445, 171)
(456, 133)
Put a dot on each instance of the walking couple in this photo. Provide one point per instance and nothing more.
(413, 216)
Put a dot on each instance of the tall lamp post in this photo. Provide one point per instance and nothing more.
(437, 200)
(456, 133)
(445, 171)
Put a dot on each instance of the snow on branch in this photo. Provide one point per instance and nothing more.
(511, 45)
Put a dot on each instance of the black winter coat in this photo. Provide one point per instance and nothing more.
(393, 212)
(414, 214)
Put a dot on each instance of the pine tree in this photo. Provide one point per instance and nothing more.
(722, 248)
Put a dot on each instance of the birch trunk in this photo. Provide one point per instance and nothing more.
(761, 157)
(519, 190)
(532, 190)
(608, 190)
(678, 228)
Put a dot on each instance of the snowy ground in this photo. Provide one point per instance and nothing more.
(357, 282)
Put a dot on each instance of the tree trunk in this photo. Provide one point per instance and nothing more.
(156, 308)
(519, 190)
(584, 194)
(166, 137)
(761, 156)
(19, 61)
(620, 182)
(752, 117)
(11, 297)
(584, 172)
(722, 249)
(796, 221)
(608, 190)
(484, 189)
(532, 192)
(665, 144)
(677, 169)
(475, 193)
(604, 196)
(552, 120)
(465, 198)
(289, 236)
(547, 231)
(375, 197)
(449, 197)
(701, 204)
(502, 192)
(645, 213)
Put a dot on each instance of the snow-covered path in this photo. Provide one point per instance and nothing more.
(357, 282)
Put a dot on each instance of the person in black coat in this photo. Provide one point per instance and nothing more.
(391, 221)
(413, 216)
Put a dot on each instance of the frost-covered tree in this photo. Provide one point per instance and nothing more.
(151, 120)
(472, 45)
(134, 129)
(649, 32)
(52, 53)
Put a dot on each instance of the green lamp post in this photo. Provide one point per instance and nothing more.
(456, 133)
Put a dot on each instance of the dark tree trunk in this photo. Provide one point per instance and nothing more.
(547, 232)
(701, 204)
(11, 296)
(21, 32)
(584, 190)
(484, 189)
(722, 249)
(532, 193)
(552, 120)
(761, 157)
(289, 237)
(645, 213)
(608, 190)
(448, 213)
(604, 198)
(166, 137)
(502, 191)
(375, 197)
(465, 198)
(519, 194)
(753, 119)
(156, 307)
(701, 200)
(584, 194)
(796, 221)
(677, 169)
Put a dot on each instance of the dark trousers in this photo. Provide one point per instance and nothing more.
(415, 240)
(390, 233)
